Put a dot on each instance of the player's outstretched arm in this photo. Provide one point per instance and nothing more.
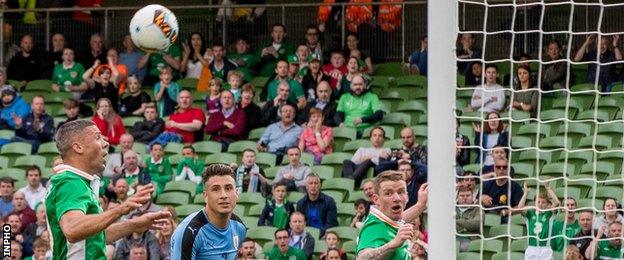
(151, 220)
(414, 212)
(78, 226)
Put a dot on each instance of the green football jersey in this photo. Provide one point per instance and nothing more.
(607, 251)
(558, 230)
(72, 189)
(539, 227)
(377, 231)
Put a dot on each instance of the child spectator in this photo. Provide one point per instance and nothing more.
(158, 167)
(332, 240)
(41, 250)
(277, 209)
(190, 167)
(213, 103)
(361, 211)
(538, 221)
(166, 101)
(336, 69)
(103, 84)
(136, 101)
(249, 176)
(147, 130)
(235, 80)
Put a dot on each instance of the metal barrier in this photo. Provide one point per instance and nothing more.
(112, 23)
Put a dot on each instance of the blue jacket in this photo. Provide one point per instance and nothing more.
(28, 132)
(326, 209)
(18, 107)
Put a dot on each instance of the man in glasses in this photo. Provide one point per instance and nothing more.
(500, 194)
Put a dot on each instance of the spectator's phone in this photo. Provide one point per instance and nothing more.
(144, 178)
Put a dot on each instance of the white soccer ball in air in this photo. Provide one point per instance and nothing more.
(154, 28)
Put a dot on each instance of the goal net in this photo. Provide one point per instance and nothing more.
(539, 103)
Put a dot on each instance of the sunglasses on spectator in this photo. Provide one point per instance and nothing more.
(501, 167)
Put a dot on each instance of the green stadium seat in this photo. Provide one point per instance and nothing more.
(174, 198)
(270, 172)
(204, 148)
(14, 173)
(556, 170)
(411, 81)
(268, 246)
(490, 220)
(486, 247)
(468, 256)
(26, 161)
(520, 142)
(266, 160)
(261, 234)
(575, 104)
(508, 256)
(602, 171)
(389, 69)
(573, 192)
(584, 182)
(607, 192)
(255, 210)
(7, 134)
(259, 82)
(555, 142)
(294, 196)
(343, 135)
(250, 198)
(226, 158)
(589, 203)
(239, 210)
(502, 230)
(16, 149)
(523, 169)
(352, 146)
(185, 210)
(319, 247)
(335, 160)
(396, 143)
(358, 194)
(345, 213)
(343, 185)
(611, 129)
(398, 120)
(4, 162)
(578, 158)
(600, 115)
(39, 85)
(390, 132)
(250, 222)
(338, 196)
(255, 134)
(345, 233)
(349, 246)
(602, 142)
(184, 186)
(533, 156)
(532, 131)
(173, 148)
(315, 232)
(129, 122)
(188, 83)
(323, 171)
(239, 146)
(519, 245)
(199, 199)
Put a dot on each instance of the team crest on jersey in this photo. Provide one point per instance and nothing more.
(502, 199)
(235, 241)
(73, 74)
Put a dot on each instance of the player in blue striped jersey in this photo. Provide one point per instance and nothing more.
(211, 233)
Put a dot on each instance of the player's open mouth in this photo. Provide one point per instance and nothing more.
(396, 208)
(224, 204)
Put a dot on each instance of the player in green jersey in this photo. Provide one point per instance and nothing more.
(386, 233)
(79, 228)
(539, 221)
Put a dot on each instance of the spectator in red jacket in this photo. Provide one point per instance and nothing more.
(335, 69)
(228, 124)
(186, 120)
(109, 123)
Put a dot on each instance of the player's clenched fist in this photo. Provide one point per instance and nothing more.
(405, 232)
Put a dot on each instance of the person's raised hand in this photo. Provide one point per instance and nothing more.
(423, 193)
(150, 220)
(486, 200)
(142, 196)
(405, 233)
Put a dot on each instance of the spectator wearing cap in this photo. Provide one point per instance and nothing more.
(13, 106)
(26, 64)
(220, 66)
(324, 102)
(296, 90)
(313, 77)
(227, 125)
(277, 50)
(36, 127)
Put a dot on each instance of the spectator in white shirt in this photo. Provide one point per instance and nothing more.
(34, 191)
(115, 160)
(490, 97)
(294, 174)
(366, 157)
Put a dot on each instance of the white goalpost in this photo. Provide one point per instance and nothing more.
(442, 32)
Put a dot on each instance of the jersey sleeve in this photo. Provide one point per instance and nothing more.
(372, 236)
(181, 247)
(71, 194)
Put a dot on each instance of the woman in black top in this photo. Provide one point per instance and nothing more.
(103, 85)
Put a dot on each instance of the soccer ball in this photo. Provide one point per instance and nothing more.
(154, 28)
